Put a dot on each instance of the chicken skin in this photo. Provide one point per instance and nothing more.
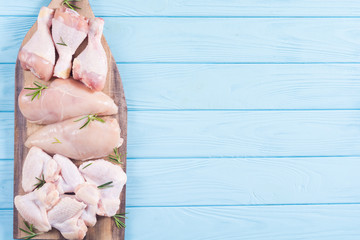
(70, 176)
(38, 54)
(99, 173)
(89, 194)
(69, 29)
(91, 65)
(33, 206)
(64, 99)
(39, 165)
(65, 217)
(80, 138)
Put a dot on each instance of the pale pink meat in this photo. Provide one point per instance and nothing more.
(69, 29)
(65, 216)
(33, 206)
(97, 139)
(64, 99)
(91, 65)
(38, 54)
(101, 172)
(38, 164)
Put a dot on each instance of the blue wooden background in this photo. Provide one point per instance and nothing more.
(244, 115)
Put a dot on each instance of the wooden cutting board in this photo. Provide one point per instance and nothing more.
(105, 228)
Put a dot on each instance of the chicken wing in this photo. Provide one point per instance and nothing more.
(39, 165)
(70, 176)
(34, 205)
(65, 217)
(101, 172)
(89, 194)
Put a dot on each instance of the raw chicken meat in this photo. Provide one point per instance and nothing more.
(97, 139)
(99, 173)
(64, 99)
(69, 29)
(38, 164)
(70, 176)
(38, 54)
(91, 65)
(65, 217)
(34, 206)
(89, 194)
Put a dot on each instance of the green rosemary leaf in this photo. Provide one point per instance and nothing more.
(118, 222)
(56, 140)
(105, 185)
(62, 43)
(31, 233)
(40, 183)
(37, 91)
(90, 118)
(87, 165)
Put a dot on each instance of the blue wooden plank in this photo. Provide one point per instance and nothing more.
(163, 134)
(230, 181)
(200, 7)
(231, 86)
(214, 39)
(324, 222)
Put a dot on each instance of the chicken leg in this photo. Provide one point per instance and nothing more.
(68, 31)
(38, 54)
(91, 65)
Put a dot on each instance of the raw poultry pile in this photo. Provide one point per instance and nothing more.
(58, 194)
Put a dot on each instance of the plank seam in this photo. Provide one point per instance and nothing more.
(225, 63)
(194, 16)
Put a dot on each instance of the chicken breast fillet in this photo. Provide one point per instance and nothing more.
(96, 139)
(39, 165)
(99, 173)
(64, 99)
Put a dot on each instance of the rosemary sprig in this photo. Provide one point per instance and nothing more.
(70, 5)
(62, 43)
(56, 140)
(116, 157)
(37, 90)
(87, 165)
(40, 183)
(105, 185)
(90, 118)
(118, 222)
(30, 231)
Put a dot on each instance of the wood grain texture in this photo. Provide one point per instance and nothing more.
(228, 86)
(201, 7)
(219, 40)
(321, 222)
(162, 134)
(230, 181)
(105, 227)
